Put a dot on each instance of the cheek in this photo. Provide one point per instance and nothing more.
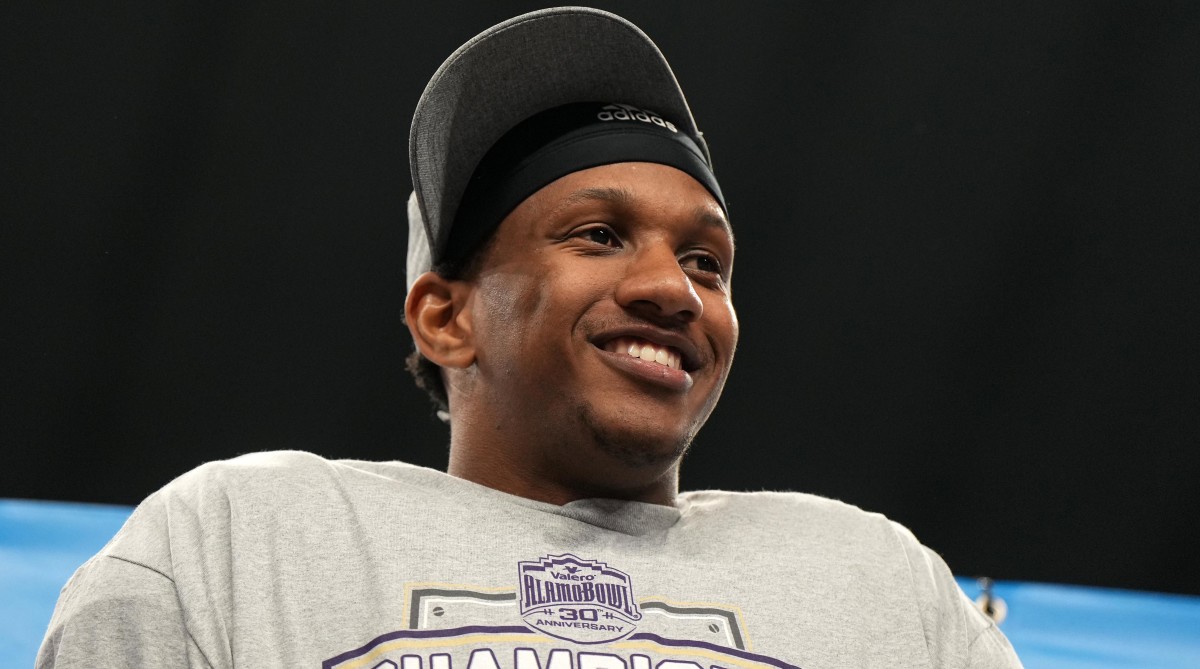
(734, 328)
(725, 324)
(503, 308)
(537, 307)
(521, 311)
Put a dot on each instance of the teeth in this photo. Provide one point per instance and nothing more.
(647, 351)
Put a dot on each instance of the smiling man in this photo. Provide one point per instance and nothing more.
(569, 271)
(592, 338)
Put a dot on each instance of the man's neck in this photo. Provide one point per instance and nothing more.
(514, 474)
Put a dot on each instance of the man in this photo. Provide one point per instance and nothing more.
(569, 269)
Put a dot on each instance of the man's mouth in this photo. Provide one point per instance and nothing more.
(646, 350)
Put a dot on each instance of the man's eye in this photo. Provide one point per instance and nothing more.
(602, 236)
(703, 263)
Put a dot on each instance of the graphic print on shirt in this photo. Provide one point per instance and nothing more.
(578, 600)
(541, 625)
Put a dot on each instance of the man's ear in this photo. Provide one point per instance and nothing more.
(437, 316)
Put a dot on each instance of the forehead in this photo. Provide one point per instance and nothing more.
(628, 187)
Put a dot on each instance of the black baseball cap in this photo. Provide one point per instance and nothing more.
(509, 73)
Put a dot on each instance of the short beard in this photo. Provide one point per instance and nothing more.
(627, 446)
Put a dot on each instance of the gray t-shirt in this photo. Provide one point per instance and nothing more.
(287, 559)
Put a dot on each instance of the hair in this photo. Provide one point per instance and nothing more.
(428, 376)
(427, 373)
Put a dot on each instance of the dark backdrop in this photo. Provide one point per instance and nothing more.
(966, 275)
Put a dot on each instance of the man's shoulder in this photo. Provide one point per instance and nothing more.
(266, 494)
(274, 473)
(270, 483)
(786, 504)
(797, 515)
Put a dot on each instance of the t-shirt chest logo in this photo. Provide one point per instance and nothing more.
(585, 601)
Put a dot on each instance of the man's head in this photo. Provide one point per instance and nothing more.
(579, 311)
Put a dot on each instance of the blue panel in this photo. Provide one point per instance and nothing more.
(1051, 626)
(1075, 627)
(41, 545)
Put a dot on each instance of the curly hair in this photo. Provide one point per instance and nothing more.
(428, 376)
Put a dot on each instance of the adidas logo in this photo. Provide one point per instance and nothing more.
(619, 112)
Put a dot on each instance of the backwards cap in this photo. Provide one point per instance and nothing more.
(508, 73)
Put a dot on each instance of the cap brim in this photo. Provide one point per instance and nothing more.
(516, 69)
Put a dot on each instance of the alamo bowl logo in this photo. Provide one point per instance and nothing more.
(585, 601)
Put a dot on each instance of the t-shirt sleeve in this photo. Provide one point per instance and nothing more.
(957, 633)
(117, 613)
(991, 649)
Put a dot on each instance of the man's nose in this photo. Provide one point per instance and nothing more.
(655, 284)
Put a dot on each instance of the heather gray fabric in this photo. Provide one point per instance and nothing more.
(286, 559)
(418, 260)
(508, 73)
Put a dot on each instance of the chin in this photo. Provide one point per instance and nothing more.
(636, 441)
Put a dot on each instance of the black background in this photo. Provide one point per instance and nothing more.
(966, 271)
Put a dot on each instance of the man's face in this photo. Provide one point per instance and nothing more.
(602, 318)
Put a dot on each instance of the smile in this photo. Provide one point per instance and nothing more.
(646, 350)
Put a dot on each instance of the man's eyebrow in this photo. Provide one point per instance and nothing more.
(610, 194)
(604, 193)
(706, 216)
(623, 196)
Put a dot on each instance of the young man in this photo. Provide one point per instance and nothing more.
(569, 295)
